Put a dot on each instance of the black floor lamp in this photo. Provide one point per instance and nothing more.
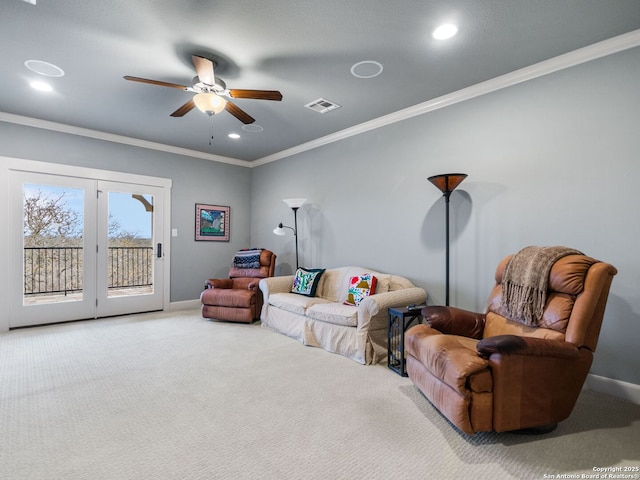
(294, 204)
(447, 183)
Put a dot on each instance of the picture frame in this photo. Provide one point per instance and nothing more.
(212, 223)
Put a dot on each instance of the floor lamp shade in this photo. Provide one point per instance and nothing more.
(447, 183)
(294, 202)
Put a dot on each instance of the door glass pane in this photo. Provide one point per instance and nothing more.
(53, 244)
(130, 244)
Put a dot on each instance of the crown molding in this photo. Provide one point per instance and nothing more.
(546, 67)
(111, 137)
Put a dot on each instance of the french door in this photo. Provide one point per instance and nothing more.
(83, 248)
(129, 249)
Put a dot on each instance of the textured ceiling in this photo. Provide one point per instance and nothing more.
(305, 49)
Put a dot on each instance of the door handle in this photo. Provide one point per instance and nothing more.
(159, 250)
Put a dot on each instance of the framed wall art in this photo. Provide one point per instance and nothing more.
(212, 223)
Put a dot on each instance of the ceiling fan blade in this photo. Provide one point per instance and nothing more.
(204, 69)
(256, 94)
(155, 82)
(184, 109)
(240, 114)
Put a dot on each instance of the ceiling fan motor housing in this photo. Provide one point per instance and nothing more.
(219, 87)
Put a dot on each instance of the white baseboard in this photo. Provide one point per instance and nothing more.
(617, 388)
(184, 305)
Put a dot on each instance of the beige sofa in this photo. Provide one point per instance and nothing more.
(359, 333)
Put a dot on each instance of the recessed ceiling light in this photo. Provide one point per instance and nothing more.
(253, 128)
(445, 31)
(41, 86)
(233, 135)
(366, 69)
(44, 68)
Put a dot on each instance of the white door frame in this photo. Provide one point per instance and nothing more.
(8, 164)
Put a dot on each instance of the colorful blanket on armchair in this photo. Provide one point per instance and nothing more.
(247, 258)
(526, 280)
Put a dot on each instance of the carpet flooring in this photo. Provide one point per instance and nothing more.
(173, 396)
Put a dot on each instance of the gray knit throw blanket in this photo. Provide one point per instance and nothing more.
(526, 280)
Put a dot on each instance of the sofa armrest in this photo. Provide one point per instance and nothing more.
(535, 347)
(271, 285)
(219, 283)
(376, 306)
(455, 321)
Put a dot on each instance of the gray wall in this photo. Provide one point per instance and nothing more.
(553, 161)
(194, 181)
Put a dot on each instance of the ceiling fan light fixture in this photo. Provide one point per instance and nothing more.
(209, 103)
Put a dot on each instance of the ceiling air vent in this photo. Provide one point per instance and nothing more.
(322, 105)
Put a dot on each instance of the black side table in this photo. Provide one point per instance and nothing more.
(400, 319)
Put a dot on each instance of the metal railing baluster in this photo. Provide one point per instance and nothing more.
(50, 270)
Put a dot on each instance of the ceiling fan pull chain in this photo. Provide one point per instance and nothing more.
(211, 131)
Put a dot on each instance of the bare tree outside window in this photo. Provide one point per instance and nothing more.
(48, 220)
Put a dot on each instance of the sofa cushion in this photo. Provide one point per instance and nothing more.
(360, 286)
(305, 281)
(335, 313)
(330, 284)
(294, 303)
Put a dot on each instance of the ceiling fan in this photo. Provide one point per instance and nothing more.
(210, 92)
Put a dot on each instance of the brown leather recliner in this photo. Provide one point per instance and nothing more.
(238, 298)
(488, 372)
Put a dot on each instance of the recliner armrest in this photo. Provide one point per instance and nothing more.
(455, 321)
(219, 283)
(516, 345)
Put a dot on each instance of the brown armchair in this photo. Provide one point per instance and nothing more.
(490, 372)
(238, 298)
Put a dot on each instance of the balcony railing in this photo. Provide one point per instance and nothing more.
(59, 270)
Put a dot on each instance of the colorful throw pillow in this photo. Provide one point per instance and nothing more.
(360, 287)
(305, 281)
